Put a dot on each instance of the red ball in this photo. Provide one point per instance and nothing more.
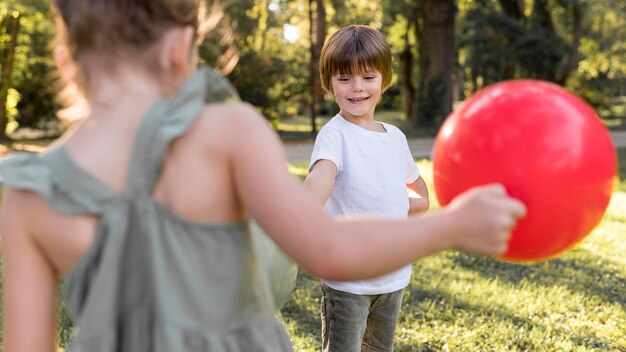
(546, 146)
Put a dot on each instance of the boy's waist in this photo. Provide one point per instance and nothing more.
(393, 281)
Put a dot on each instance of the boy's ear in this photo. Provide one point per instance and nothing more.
(177, 52)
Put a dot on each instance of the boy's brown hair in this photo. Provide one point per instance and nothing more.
(355, 49)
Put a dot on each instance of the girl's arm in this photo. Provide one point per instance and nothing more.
(30, 284)
(480, 222)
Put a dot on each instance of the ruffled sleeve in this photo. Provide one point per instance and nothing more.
(45, 174)
(26, 171)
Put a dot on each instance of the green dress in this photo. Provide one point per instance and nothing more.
(153, 281)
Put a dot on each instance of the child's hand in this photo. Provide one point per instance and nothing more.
(486, 216)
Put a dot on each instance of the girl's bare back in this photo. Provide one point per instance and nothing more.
(196, 181)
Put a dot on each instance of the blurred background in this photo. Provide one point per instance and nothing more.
(444, 51)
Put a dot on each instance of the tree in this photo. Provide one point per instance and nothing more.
(572, 62)
(401, 27)
(317, 33)
(27, 86)
(600, 76)
(267, 70)
(434, 100)
(11, 26)
(517, 43)
(407, 89)
(513, 8)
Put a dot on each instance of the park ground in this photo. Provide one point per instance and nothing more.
(458, 302)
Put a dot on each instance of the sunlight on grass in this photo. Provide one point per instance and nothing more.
(293, 128)
(300, 124)
(459, 302)
(299, 170)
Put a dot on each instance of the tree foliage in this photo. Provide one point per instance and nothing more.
(29, 99)
(498, 46)
(578, 43)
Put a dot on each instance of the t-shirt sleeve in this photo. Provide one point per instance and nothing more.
(327, 146)
(412, 172)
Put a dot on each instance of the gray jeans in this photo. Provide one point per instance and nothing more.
(353, 323)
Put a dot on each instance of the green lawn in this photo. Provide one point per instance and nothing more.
(460, 302)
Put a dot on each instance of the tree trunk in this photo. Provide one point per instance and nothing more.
(513, 8)
(437, 42)
(407, 90)
(12, 28)
(317, 34)
(572, 62)
(541, 15)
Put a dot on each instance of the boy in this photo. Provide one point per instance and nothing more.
(362, 167)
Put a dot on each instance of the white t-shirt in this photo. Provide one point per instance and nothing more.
(373, 169)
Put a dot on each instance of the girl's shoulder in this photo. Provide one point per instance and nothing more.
(229, 114)
(228, 130)
(237, 120)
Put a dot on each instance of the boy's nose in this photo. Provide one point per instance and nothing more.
(358, 85)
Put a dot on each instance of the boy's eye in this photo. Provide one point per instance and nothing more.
(343, 79)
(369, 77)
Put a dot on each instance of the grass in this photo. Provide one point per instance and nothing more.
(460, 302)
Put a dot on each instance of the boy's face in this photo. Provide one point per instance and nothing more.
(357, 95)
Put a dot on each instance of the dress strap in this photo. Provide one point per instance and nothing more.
(168, 119)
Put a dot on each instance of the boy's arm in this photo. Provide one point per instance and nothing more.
(418, 196)
(321, 180)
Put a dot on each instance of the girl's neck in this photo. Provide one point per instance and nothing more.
(117, 104)
(123, 95)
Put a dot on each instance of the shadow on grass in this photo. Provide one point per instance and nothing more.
(580, 272)
(469, 310)
(591, 278)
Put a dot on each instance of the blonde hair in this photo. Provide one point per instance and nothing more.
(97, 32)
(355, 49)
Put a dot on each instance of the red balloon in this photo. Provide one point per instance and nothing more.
(546, 146)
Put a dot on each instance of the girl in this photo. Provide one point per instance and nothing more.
(144, 207)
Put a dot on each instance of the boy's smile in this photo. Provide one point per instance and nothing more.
(357, 95)
(358, 100)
